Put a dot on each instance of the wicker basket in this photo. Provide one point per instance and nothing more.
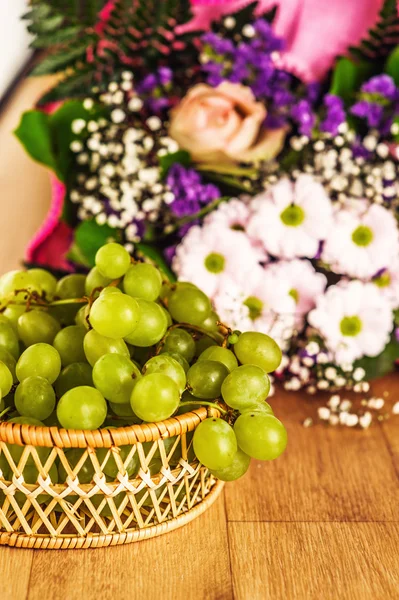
(108, 510)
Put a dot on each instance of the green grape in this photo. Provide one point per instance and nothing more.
(258, 349)
(81, 317)
(96, 345)
(69, 344)
(204, 343)
(45, 280)
(151, 326)
(180, 342)
(187, 304)
(236, 469)
(155, 397)
(211, 323)
(115, 376)
(112, 260)
(181, 360)
(245, 387)
(65, 314)
(167, 315)
(166, 364)
(35, 398)
(40, 359)
(6, 379)
(143, 281)
(52, 420)
(111, 467)
(30, 475)
(12, 313)
(261, 407)
(205, 378)
(36, 326)
(215, 443)
(111, 289)
(86, 471)
(71, 286)
(124, 410)
(115, 315)
(9, 340)
(74, 375)
(220, 354)
(260, 435)
(9, 361)
(16, 451)
(95, 280)
(82, 407)
(17, 281)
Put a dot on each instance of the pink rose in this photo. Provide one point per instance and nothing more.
(224, 125)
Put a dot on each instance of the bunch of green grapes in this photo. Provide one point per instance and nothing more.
(122, 346)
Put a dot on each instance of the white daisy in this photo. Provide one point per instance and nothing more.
(260, 303)
(304, 283)
(207, 254)
(291, 218)
(388, 282)
(354, 319)
(234, 214)
(363, 240)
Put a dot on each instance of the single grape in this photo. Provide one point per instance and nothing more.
(9, 361)
(254, 348)
(111, 289)
(261, 407)
(236, 469)
(151, 326)
(6, 380)
(124, 410)
(115, 376)
(115, 315)
(181, 342)
(166, 364)
(155, 397)
(12, 313)
(35, 398)
(16, 451)
(211, 323)
(85, 472)
(205, 378)
(245, 387)
(74, 375)
(187, 304)
(215, 443)
(220, 354)
(112, 260)
(203, 343)
(111, 468)
(71, 286)
(181, 360)
(69, 344)
(143, 281)
(81, 317)
(82, 407)
(37, 326)
(45, 280)
(9, 340)
(260, 435)
(17, 285)
(40, 359)
(96, 345)
(95, 280)
(65, 314)
(169, 320)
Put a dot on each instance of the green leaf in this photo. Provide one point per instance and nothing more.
(382, 364)
(348, 76)
(63, 35)
(166, 162)
(89, 237)
(392, 65)
(155, 255)
(41, 11)
(50, 23)
(34, 133)
(56, 62)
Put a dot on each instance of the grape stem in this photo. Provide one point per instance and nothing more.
(204, 403)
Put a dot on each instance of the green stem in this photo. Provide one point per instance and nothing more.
(204, 403)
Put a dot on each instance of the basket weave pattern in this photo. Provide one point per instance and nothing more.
(109, 509)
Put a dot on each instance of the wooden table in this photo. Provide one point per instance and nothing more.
(321, 523)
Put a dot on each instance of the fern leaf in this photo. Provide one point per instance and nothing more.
(382, 38)
(57, 62)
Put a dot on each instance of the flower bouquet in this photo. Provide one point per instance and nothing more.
(212, 139)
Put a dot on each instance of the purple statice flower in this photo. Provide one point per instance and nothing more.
(302, 113)
(152, 88)
(370, 111)
(335, 114)
(191, 194)
(383, 85)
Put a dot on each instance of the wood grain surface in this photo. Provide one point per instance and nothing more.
(321, 523)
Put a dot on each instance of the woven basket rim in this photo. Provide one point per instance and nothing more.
(23, 434)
